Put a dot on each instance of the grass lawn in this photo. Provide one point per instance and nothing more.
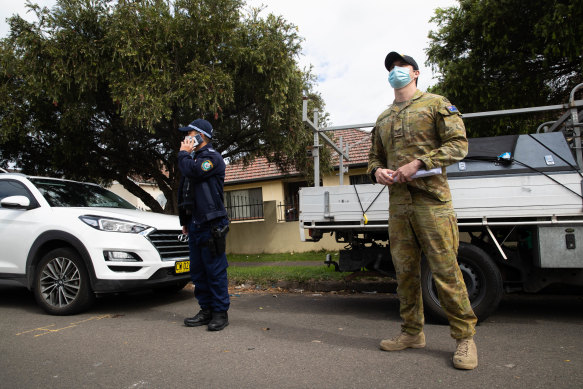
(307, 256)
(267, 275)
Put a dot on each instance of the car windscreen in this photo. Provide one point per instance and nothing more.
(76, 194)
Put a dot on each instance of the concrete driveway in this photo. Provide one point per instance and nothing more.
(308, 340)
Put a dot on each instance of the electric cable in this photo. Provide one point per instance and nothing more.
(549, 177)
(561, 158)
(509, 161)
(372, 202)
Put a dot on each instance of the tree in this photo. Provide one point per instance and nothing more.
(96, 89)
(494, 54)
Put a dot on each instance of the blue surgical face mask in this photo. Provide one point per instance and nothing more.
(399, 77)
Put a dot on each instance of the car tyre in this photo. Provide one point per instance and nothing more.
(481, 276)
(61, 283)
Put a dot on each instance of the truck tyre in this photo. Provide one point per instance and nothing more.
(482, 278)
(61, 283)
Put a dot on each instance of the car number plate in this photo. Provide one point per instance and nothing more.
(182, 267)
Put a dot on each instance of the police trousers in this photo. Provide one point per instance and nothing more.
(208, 272)
(429, 226)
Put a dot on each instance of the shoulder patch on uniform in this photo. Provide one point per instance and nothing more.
(452, 109)
(206, 165)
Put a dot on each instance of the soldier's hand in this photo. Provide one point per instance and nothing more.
(384, 176)
(405, 172)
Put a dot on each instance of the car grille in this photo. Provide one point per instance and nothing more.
(169, 246)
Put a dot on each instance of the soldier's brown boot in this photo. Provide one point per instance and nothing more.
(403, 341)
(466, 354)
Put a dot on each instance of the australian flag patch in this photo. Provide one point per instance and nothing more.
(452, 109)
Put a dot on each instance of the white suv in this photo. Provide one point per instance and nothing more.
(67, 241)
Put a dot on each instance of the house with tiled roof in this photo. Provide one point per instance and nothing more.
(261, 180)
(262, 201)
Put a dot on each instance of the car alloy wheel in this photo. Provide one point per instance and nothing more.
(61, 283)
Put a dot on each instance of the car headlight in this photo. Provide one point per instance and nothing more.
(113, 225)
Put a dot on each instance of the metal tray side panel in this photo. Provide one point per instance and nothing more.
(560, 246)
(517, 196)
(507, 197)
(343, 203)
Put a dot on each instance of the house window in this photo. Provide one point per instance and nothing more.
(360, 179)
(245, 204)
(288, 211)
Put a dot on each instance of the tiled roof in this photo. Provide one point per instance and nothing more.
(358, 141)
(258, 169)
(358, 145)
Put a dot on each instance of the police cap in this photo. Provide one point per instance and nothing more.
(201, 126)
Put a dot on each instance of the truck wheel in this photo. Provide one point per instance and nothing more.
(482, 278)
(61, 283)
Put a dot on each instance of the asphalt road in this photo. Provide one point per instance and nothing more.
(307, 340)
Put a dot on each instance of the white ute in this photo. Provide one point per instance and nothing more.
(519, 205)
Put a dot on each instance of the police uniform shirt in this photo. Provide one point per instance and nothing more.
(206, 173)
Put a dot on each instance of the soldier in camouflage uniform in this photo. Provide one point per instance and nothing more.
(422, 131)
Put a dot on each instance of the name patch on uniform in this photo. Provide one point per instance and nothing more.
(452, 108)
(206, 165)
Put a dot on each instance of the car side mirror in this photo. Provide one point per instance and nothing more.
(15, 202)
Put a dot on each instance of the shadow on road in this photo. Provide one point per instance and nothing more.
(514, 308)
(15, 295)
(521, 307)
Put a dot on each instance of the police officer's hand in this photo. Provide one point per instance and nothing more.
(187, 145)
(405, 172)
(384, 176)
(184, 229)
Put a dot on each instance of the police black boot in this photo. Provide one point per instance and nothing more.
(219, 321)
(200, 319)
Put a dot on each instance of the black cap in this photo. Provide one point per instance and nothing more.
(201, 126)
(393, 56)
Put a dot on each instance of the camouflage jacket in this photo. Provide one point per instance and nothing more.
(427, 128)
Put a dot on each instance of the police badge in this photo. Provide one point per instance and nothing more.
(206, 166)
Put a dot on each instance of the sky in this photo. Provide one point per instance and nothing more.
(346, 42)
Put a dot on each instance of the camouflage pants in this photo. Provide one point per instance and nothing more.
(431, 228)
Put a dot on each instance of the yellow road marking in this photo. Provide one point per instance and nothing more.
(46, 330)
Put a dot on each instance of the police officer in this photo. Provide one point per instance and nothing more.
(203, 216)
(422, 131)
